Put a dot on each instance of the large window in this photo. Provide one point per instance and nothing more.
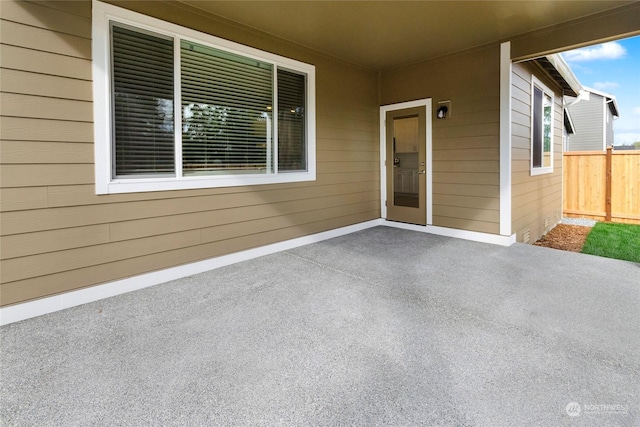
(541, 128)
(178, 109)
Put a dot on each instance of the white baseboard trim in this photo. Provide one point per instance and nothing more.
(494, 239)
(39, 307)
(29, 309)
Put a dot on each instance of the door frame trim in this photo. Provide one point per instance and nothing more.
(426, 102)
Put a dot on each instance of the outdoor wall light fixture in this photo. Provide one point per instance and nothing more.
(444, 109)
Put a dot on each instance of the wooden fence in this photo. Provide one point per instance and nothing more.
(602, 186)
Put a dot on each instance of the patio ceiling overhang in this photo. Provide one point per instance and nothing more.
(381, 35)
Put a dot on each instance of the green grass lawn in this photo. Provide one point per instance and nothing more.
(619, 241)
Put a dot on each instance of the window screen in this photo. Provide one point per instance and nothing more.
(143, 117)
(226, 112)
(547, 109)
(542, 129)
(537, 127)
(291, 121)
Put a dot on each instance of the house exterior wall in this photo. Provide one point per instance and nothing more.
(589, 119)
(466, 154)
(57, 235)
(536, 200)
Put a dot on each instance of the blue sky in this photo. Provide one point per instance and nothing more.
(614, 68)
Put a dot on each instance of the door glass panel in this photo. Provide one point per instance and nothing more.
(405, 162)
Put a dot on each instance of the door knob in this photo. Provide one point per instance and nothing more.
(422, 172)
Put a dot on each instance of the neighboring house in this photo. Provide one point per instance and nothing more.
(147, 141)
(627, 147)
(592, 113)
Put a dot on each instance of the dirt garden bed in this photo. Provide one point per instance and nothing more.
(565, 237)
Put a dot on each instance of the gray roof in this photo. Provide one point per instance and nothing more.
(611, 100)
(560, 71)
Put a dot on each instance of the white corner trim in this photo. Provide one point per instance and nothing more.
(604, 123)
(29, 309)
(100, 63)
(494, 239)
(505, 139)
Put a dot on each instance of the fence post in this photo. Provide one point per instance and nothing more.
(608, 185)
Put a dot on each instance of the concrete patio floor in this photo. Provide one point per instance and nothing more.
(380, 327)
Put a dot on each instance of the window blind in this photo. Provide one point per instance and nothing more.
(142, 76)
(226, 112)
(291, 121)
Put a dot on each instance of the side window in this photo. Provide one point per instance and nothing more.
(541, 128)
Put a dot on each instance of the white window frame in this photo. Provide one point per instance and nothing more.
(101, 45)
(541, 170)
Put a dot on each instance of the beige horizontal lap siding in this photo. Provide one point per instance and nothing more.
(536, 200)
(466, 154)
(57, 235)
